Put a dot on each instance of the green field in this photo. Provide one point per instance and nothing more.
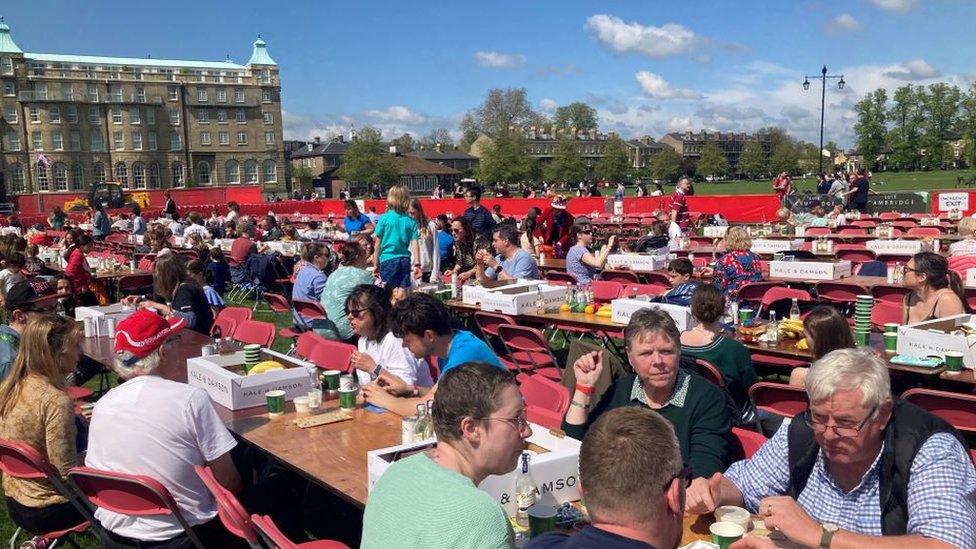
(880, 182)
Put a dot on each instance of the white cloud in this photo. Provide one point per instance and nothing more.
(679, 124)
(655, 42)
(392, 122)
(547, 105)
(656, 87)
(496, 60)
(916, 69)
(897, 6)
(397, 113)
(843, 23)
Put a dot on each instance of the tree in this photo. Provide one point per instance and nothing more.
(967, 124)
(613, 165)
(666, 164)
(752, 161)
(437, 136)
(784, 157)
(906, 116)
(712, 162)
(577, 115)
(404, 143)
(941, 105)
(365, 161)
(869, 130)
(808, 157)
(301, 176)
(500, 110)
(504, 160)
(567, 165)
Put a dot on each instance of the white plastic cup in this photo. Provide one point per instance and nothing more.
(89, 326)
(110, 327)
(301, 404)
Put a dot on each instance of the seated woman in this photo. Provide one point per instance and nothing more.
(819, 218)
(785, 222)
(351, 273)
(466, 246)
(966, 229)
(706, 341)
(580, 261)
(36, 410)
(738, 265)
(176, 294)
(825, 330)
(311, 279)
(682, 285)
(936, 291)
(695, 406)
(368, 311)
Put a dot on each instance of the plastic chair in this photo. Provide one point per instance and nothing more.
(232, 514)
(332, 355)
(279, 304)
(853, 231)
(710, 372)
(855, 256)
(753, 292)
(529, 351)
(310, 310)
(274, 538)
(958, 409)
(884, 312)
(306, 343)
(605, 291)
(656, 278)
(561, 278)
(545, 394)
(623, 277)
(749, 442)
(889, 216)
(816, 231)
(488, 323)
(843, 293)
(889, 293)
(777, 398)
(132, 283)
(255, 331)
(630, 290)
(925, 231)
(779, 293)
(133, 495)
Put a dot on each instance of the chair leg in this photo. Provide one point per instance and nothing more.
(13, 538)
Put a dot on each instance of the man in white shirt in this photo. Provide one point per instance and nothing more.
(196, 227)
(175, 226)
(162, 429)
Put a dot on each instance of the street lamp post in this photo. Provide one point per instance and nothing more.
(823, 96)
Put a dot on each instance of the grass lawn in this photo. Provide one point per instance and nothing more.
(880, 182)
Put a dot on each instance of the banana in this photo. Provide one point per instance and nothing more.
(802, 345)
(266, 366)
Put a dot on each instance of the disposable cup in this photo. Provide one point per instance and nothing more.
(347, 383)
(733, 514)
(953, 362)
(331, 379)
(725, 534)
(542, 519)
(745, 314)
(861, 338)
(890, 342)
(347, 399)
(891, 327)
(276, 402)
(314, 399)
(301, 405)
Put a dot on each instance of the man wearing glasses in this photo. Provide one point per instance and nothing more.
(859, 469)
(433, 501)
(26, 300)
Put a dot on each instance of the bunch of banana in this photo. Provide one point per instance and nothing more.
(790, 328)
(266, 366)
(604, 311)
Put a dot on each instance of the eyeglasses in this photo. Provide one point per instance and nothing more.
(839, 430)
(519, 422)
(356, 312)
(456, 230)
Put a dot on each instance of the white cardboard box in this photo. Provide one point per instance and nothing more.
(903, 247)
(286, 248)
(472, 294)
(971, 278)
(234, 391)
(516, 299)
(931, 338)
(772, 245)
(810, 270)
(554, 471)
(622, 309)
(102, 314)
(638, 262)
(715, 231)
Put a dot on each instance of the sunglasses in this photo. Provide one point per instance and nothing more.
(355, 312)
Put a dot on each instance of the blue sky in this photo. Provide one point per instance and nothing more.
(648, 67)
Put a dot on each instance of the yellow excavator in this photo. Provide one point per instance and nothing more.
(110, 195)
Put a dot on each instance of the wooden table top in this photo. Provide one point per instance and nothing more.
(581, 320)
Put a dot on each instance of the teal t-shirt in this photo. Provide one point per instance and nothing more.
(417, 504)
(395, 231)
(466, 347)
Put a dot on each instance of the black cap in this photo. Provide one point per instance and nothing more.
(30, 292)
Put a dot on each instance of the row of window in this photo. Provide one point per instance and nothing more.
(136, 116)
(96, 143)
(203, 117)
(220, 94)
(58, 177)
(41, 92)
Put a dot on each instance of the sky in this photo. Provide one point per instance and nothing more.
(648, 67)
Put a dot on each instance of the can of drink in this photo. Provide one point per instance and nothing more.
(347, 383)
(132, 264)
(89, 326)
(110, 327)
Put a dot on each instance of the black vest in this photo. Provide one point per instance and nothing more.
(908, 428)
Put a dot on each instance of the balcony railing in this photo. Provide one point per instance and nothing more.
(53, 96)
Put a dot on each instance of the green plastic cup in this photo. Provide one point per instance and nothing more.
(891, 327)
(725, 534)
(953, 362)
(861, 338)
(347, 399)
(890, 341)
(276, 402)
(542, 519)
(331, 379)
(745, 315)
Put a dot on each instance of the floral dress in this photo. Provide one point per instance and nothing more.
(735, 269)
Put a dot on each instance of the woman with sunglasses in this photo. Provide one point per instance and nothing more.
(580, 261)
(368, 312)
(466, 244)
(937, 292)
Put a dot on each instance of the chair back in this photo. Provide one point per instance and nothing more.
(643, 289)
(23, 461)
(225, 325)
(864, 223)
(311, 310)
(817, 231)
(890, 293)
(332, 355)
(134, 282)
(489, 322)
(306, 343)
(276, 539)
(237, 314)
(543, 416)
(777, 398)
(560, 278)
(754, 291)
(710, 372)
(884, 312)
(623, 277)
(277, 302)
(925, 231)
(780, 293)
(749, 442)
(856, 256)
(528, 349)
(959, 409)
(543, 392)
(605, 291)
(147, 263)
(840, 292)
(853, 231)
(255, 331)
(232, 514)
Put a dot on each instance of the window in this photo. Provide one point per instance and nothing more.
(6, 65)
(203, 173)
(150, 117)
(77, 177)
(203, 116)
(139, 175)
(15, 174)
(266, 96)
(202, 94)
(238, 95)
(251, 171)
(221, 117)
(54, 114)
(98, 172)
(92, 93)
(60, 177)
(66, 93)
(205, 138)
(153, 176)
(115, 92)
(242, 138)
(268, 117)
(37, 142)
(177, 174)
(151, 138)
(94, 115)
(137, 141)
(134, 117)
(171, 92)
(122, 175)
(118, 141)
(223, 138)
(40, 90)
(221, 95)
(96, 141)
(116, 115)
(174, 141)
(35, 115)
(9, 89)
(10, 114)
(232, 171)
(270, 171)
(13, 141)
(174, 117)
(41, 174)
(72, 114)
(269, 138)
(141, 95)
(74, 141)
(241, 117)
(265, 76)
(57, 141)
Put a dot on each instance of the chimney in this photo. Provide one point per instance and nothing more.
(339, 139)
(309, 147)
(317, 140)
(439, 147)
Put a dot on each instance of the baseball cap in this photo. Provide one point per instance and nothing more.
(31, 293)
(145, 331)
(559, 203)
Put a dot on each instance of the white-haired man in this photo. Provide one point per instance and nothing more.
(858, 469)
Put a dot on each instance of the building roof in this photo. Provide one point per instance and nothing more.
(7, 44)
(259, 56)
(133, 61)
(329, 147)
(445, 155)
(412, 165)
(644, 144)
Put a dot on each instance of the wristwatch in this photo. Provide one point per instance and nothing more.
(828, 534)
(376, 370)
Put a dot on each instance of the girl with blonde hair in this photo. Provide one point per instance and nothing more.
(397, 252)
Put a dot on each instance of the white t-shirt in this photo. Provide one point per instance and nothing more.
(176, 228)
(162, 429)
(197, 229)
(7, 280)
(231, 216)
(390, 353)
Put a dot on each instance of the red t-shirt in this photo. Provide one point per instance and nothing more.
(239, 250)
(679, 203)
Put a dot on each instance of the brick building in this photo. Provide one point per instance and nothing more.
(690, 144)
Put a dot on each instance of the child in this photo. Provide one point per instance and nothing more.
(11, 274)
(219, 270)
(33, 265)
(203, 276)
(395, 238)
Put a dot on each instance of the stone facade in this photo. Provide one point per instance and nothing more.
(690, 144)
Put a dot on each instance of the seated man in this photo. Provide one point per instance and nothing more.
(859, 469)
(512, 262)
(424, 325)
(624, 513)
(162, 429)
(434, 502)
(682, 285)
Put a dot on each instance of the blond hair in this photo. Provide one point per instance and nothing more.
(737, 239)
(966, 226)
(41, 345)
(398, 199)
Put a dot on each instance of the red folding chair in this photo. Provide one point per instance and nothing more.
(777, 398)
(542, 393)
(279, 304)
(749, 442)
(853, 231)
(889, 216)
(23, 461)
(561, 278)
(710, 372)
(884, 312)
(488, 323)
(631, 290)
(753, 292)
(332, 355)
(841, 293)
(623, 277)
(925, 231)
(232, 514)
(132, 495)
(309, 310)
(959, 409)
(855, 256)
(255, 331)
(237, 314)
(306, 343)
(889, 293)
(658, 279)
(131, 283)
(781, 293)
(275, 538)
(816, 231)
(605, 291)
(529, 351)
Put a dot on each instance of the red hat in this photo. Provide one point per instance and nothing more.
(145, 331)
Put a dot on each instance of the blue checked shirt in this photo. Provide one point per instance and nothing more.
(941, 492)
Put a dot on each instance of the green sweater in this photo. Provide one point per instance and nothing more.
(702, 421)
(419, 504)
(734, 362)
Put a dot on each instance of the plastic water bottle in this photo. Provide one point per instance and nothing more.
(772, 330)
(795, 310)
